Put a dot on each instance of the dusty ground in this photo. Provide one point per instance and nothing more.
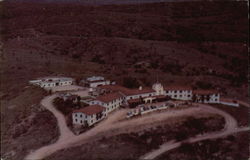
(112, 126)
(24, 121)
(231, 147)
(64, 88)
(132, 145)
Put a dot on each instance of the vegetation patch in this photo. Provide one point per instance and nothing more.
(240, 113)
(132, 145)
(231, 147)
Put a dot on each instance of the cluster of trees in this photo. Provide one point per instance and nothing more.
(67, 106)
(203, 85)
(130, 82)
(98, 59)
(173, 68)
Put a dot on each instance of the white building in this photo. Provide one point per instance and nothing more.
(95, 81)
(89, 115)
(206, 96)
(158, 89)
(110, 101)
(52, 81)
(179, 92)
(139, 93)
(131, 94)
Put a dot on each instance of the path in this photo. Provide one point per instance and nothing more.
(230, 128)
(65, 132)
(172, 144)
(112, 126)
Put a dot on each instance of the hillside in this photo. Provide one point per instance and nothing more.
(202, 44)
(187, 39)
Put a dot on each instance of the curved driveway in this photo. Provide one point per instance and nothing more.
(112, 126)
(231, 127)
(65, 132)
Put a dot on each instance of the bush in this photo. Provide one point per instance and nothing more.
(203, 85)
(173, 68)
(130, 82)
(98, 59)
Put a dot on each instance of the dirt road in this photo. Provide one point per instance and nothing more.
(112, 126)
(65, 132)
(230, 128)
(172, 144)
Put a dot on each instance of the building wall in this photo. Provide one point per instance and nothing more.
(81, 118)
(53, 84)
(95, 78)
(113, 105)
(180, 94)
(140, 95)
(110, 106)
(214, 98)
(95, 84)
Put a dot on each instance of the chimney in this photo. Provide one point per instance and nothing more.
(140, 88)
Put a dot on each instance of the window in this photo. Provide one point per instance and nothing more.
(189, 95)
(180, 95)
(75, 115)
(166, 91)
(76, 120)
(81, 121)
(175, 95)
(180, 91)
(80, 115)
(149, 94)
(175, 91)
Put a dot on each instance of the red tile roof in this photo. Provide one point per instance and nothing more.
(137, 91)
(177, 87)
(90, 110)
(205, 92)
(138, 100)
(127, 91)
(109, 97)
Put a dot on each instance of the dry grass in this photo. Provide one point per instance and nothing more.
(240, 113)
(231, 147)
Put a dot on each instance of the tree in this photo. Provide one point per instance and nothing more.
(179, 136)
(208, 98)
(130, 82)
(194, 98)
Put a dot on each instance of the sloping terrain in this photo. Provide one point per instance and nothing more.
(182, 43)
